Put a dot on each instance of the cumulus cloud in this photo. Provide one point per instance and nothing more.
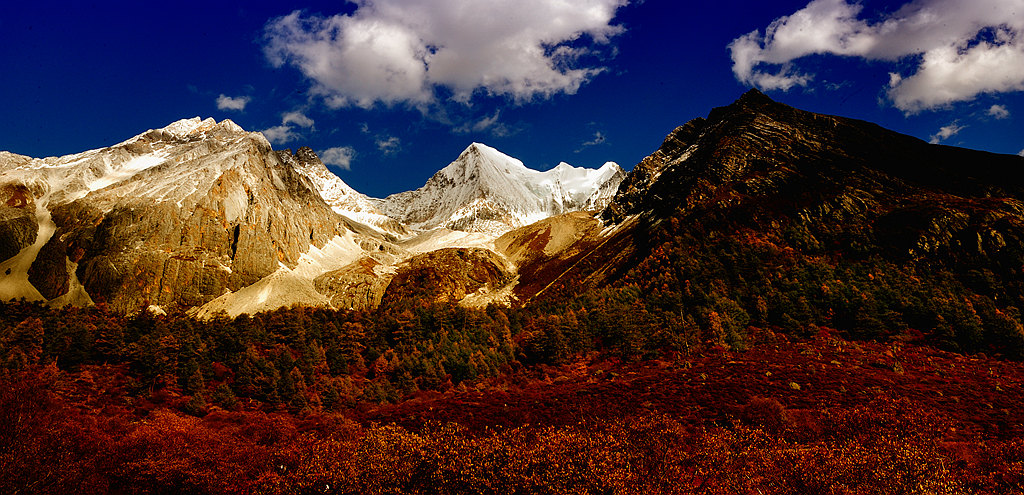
(998, 112)
(298, 118)
(340, 156)
(957, 49)
(286, 132)
(280, 134)
(389, 145)
(946, 132)
(1020, 153)
(401, 52)
(237, 103)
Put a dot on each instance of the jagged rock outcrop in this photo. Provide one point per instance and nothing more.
(828, 186)
(757, 147)
(635, 185)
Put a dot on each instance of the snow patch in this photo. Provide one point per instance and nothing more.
(126, 170)
(442, 238)
(338, 252)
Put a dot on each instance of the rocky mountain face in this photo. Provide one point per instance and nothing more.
(486, 191)
(173, 217)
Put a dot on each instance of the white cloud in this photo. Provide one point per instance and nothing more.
(599, 138)
(396, 51)
(280, 134)
(946, 132)
(998, 112)
(298, 118)
(959, 49)
(285, 132)
(484, 124)
(389, 145)
(340, 156)
(238, 103)
(1020, 153)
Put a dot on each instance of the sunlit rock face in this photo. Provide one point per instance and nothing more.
(172, 217)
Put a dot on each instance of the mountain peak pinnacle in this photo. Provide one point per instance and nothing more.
(754, 98)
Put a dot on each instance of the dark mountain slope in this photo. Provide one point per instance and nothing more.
(841, 184)
(767, 216)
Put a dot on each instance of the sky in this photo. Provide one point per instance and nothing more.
(390, 91)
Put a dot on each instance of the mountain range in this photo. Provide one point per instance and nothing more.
(206, 217)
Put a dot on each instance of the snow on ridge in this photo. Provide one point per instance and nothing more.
(342, 198)
(203, 147)
(184, 127)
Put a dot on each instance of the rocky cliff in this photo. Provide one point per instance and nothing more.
(342, 198)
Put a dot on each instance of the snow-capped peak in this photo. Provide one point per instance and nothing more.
(484, 190)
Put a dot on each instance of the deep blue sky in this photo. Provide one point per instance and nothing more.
(83, 75)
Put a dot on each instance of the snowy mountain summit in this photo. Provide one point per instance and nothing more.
(486, 191)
